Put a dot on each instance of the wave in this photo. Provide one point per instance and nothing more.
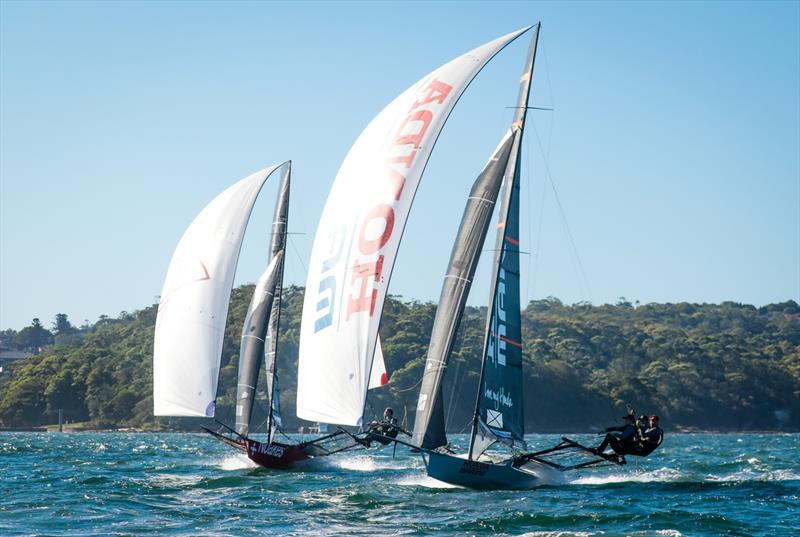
(757, 476)
(561, 534)
(174, 481)
(653, 533)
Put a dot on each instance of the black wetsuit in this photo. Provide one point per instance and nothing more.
(623, 442)
(382, 431)
(651, 439)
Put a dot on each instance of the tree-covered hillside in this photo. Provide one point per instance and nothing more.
(728, 366)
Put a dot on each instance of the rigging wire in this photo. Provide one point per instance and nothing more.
(299, 258)
(577, 259)
(532, 274)
(401, 390)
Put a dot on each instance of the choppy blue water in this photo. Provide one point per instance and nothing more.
(190, 484)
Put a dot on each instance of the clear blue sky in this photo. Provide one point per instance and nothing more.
(674, 145)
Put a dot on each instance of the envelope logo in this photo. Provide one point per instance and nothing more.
(494, 419)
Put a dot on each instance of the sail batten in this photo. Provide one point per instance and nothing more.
(194, 302)
(358, 236)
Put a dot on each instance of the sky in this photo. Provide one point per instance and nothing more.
(668, 170)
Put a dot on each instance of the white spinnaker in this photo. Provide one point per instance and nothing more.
(358, 237)
(194, 303)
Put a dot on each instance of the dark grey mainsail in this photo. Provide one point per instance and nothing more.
(279, 229)
(261, 323)
(251, 349)
(499, 412)
(429, 427)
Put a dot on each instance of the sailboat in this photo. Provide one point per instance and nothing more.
(191, 323)
(358, 236)
(353, 257)
(498, 417)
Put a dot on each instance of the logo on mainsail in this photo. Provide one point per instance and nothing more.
(494, 418)
(499, 397)
(497, 344)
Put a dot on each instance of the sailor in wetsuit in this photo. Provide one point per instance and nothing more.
(621, 439)
(651, 438)
(383, 431)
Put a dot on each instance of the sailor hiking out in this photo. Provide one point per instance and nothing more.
(383, 431)
(632, 438)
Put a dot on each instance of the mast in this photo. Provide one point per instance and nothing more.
(503, 341)
(258, 331)
(279, 229)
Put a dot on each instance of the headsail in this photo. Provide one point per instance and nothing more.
(260, 332)
(358, 237)
(499, 414)
(429, 426)
(194, 303)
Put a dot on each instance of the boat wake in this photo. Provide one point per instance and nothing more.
(235, 461)
(671, 475)
(424, 480)
(364, 463)
(662, 475)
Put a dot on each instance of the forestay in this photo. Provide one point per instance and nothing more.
(194, 303)
(358, 237)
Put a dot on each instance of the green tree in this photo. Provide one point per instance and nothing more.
(34, 337)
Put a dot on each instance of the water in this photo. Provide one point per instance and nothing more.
(190, 484)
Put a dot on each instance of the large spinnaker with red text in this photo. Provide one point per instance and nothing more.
(358, 237)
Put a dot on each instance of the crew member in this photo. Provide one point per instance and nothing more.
(383, 431)
(651, 438)
(621, 439)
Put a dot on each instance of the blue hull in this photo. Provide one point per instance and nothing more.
(479, 475)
